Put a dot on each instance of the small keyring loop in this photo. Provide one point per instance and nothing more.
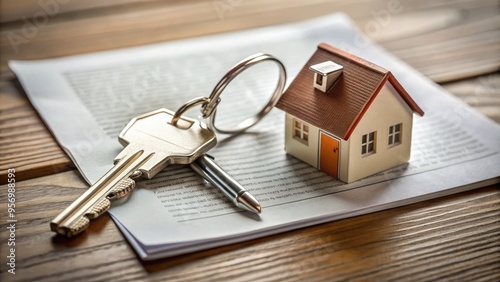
(186, 106)
(209, 109)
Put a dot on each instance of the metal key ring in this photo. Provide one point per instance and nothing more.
(209, 109)
(177, 115)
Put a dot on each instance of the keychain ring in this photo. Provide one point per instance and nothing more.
(191, 103)
(209, 109)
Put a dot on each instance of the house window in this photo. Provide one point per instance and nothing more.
(319, 79)
(394, 135)
(301, 131)
(368, 144)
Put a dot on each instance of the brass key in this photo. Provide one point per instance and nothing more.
(151, 143)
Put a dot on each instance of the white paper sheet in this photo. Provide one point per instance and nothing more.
(86, 100)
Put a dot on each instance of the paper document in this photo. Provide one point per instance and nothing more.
(86, 100)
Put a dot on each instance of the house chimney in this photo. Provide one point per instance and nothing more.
(325, 74)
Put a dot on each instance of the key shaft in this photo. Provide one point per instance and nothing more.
(96, 200)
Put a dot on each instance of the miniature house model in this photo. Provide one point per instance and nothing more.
(346, 116)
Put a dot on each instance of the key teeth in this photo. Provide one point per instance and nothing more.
(75, 228)
(122, 189)
(100, 208)
(82, 223)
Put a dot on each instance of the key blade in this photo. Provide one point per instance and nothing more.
(75, 218)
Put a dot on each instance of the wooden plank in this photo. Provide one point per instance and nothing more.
(19, 9)
(451, 238)
(132, 25)
(25, 142)
(451, 44)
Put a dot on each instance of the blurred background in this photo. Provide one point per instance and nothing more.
(446, 40)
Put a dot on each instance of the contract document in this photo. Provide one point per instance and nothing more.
(86, 100)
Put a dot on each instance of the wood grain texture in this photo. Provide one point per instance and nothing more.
(450, 43)
(25, 142)
(451, 238)
(75, 31)
(482, 93)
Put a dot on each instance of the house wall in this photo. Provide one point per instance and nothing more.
(387, 109)
(307, 153)
(344, 160)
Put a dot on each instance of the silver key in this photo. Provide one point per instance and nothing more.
(152, 143)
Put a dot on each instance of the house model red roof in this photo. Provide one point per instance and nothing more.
(340, 109)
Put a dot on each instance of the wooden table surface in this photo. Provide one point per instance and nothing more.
(455, 43)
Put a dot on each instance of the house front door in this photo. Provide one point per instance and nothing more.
(329, 155)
